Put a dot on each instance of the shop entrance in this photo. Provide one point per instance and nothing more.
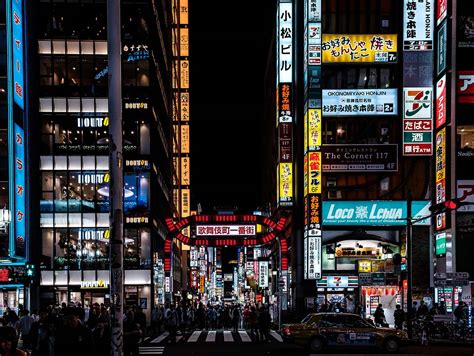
(11, 298)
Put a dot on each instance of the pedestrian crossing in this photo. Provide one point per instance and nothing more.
(214, 336)
(151, 350)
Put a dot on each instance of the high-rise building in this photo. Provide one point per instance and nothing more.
(354, 87)
(72, 121)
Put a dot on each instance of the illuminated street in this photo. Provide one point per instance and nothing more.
(277, 177)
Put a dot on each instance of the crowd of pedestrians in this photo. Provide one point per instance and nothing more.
(191, 316)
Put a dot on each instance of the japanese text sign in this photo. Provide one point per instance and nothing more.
(378, 48)
(418, 25)
(359, 102)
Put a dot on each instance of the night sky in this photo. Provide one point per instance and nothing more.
(229, 46)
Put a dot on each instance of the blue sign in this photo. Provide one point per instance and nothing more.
(18, 48)
(371, 213)
(19, 211)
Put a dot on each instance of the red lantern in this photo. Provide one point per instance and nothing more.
(393, 291)
(387, 291)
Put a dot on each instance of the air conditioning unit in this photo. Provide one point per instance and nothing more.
(334, 194)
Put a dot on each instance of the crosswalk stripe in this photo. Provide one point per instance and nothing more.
(228, 336)
(195, 336)
(244, 336)
(276, 335)
(151, 350)
(178, 338)
(211, 336)
(160, 338)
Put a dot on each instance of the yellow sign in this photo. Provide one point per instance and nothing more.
(285, 180)
(379, 48)
(184, 106)
(184, 74)
(184, 138)
(185, 171)
(314, 173)
(183, 12)
(441, 155)
(184, 42)
(185, 202)
(365, 266)
(314, 129)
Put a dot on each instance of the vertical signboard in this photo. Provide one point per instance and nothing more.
(442, 48)
(440, 170)
(441, 102)
(417, 122)
(284, 104)
(418, 25)
(20, 201)
(312, 139)
(263, 274)
(18, 52)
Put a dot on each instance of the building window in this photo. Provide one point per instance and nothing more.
(137, 249)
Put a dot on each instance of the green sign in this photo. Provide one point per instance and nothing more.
(441, 244)
(424, 137)
(442, 48)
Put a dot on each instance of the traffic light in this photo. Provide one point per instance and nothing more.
(452, 204)
(30, 271)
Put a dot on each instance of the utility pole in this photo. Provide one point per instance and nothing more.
(116, 175)
(409, 264)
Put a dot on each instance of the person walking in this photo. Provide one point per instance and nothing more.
(23, 327)
(172, 323)
(253, 321)
(264, 324)
(236, 318)
(9, 342)
(131, 335)
(399, 316)
(156, 320)
(379, 316)
(73, 338)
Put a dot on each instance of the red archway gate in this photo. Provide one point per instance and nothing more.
(211, 236)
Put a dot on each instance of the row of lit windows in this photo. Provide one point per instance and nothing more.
(88, 248)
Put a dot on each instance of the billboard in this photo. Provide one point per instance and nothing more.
(225, 230)
(417, 122)
(418, 25)
(372, 213)
(465, 89)
(417, 68)
(465, 192)
(312, 211)
(285, 183)
(312, 255)
(313, 130)
(351, 48)
(285, 42)
(17, 49)
(441, 102)
(442, 48)
(359, 102)
(440, 176)
(285, 100)
(314, 172)
(360, 158)
(440, 240)
(19, 210)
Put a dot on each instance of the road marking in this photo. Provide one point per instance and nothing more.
(228, 336)
(151, 350)
(146, 339)
(178, 338)
(276, 335)
(211, 336)
(195, 336)
(244, 336)
(160, 338)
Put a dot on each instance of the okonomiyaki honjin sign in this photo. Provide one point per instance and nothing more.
(360, 102)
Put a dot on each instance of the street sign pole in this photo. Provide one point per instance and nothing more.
(116, 175)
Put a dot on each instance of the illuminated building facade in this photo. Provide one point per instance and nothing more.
(361, 146)
(73, 121)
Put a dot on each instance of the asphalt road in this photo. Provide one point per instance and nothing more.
(220, 343)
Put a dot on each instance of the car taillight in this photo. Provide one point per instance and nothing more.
(286, 331)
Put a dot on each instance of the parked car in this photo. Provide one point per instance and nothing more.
(321, 330)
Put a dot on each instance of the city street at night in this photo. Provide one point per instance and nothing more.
(276, 177)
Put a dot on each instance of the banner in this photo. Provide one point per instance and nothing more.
(360, 158)
(359, 102)
(418, 25)
(351, 48)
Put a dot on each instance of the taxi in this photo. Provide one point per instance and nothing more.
(321, 330)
